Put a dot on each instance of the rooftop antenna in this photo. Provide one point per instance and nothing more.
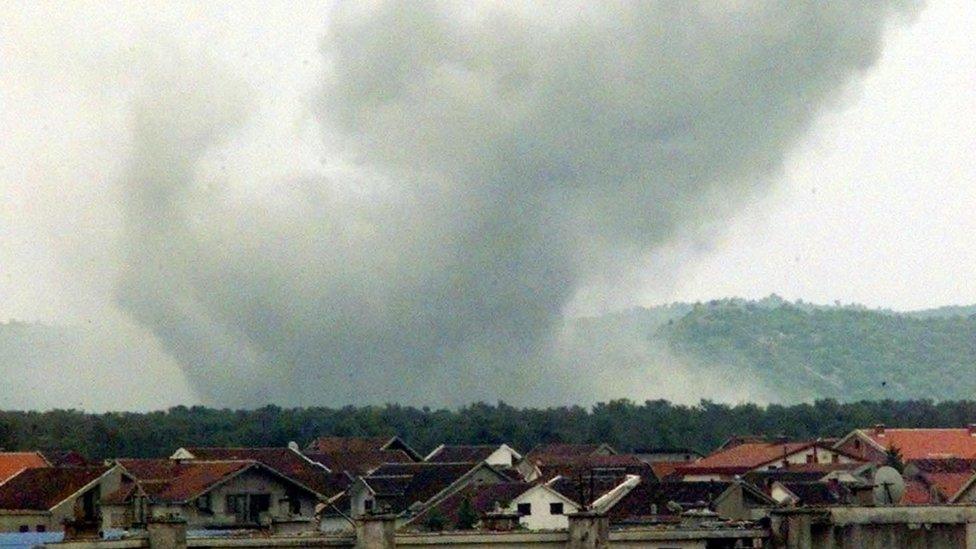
(889, 486)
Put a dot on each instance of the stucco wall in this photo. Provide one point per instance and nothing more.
(541, 518)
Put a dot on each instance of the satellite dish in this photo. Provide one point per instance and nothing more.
(889, 487)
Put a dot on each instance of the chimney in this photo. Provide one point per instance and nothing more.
(972, 429)
(879, 429)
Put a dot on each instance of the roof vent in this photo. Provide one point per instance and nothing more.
(879, 429)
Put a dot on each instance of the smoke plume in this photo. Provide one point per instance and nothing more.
(489, 161)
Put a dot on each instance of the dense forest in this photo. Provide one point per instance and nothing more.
(791, 352)
(623, 424)
(801, 352)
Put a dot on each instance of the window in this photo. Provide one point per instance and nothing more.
(524, 509)
(41, 528)
(835, 458)
(295, 505)
(204, 503)
(809, 458)
(24, 528)
(368, 505)
(555, 508)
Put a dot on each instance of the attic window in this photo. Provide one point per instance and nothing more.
(524, 509)
(204, 503)
(368, 505)
(556, 508)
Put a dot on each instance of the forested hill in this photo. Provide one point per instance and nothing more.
(798, 352)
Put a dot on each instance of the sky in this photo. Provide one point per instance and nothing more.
(274, 196)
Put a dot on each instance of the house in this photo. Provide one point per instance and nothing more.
(873, 444)
(358, 463)
(408, 488)
(547, 467)
(12, 463)
(499, 455)
(535, 507)
(667, 501)
(288, 461)
(595, 493)
(940, 480)
(847, 474)
(207, 494)
(41, 499)
(332, 445)
(739, 459)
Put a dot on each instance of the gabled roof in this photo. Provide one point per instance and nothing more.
(43, 488)
(329, 445)
(599, 465)
(919, 443)
(947, 477)
(746, 456)
(196, 479)
(358, 463)
(649, 499)
(169, 481)
(484, 498)
(403, 484)
(567, 450)
(12, 463)
(459, 453)
(285, 461)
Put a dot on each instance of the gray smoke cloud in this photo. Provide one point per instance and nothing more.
(496, 159)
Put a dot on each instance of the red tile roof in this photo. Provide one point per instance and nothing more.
(12, 463)
(916, 493)
(361, 444)
(197, 478)
(166, 480)
(743, 457)
(925, 443)
(286, 461)
(948, 484)
(663, 469)
(40, 489)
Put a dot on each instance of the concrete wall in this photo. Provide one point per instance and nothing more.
(541, 518)
(892, 527)
(11, 522)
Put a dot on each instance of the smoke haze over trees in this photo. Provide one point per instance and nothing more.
(475, 168)
(625, 425)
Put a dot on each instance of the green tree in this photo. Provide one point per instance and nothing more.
(893, 459)
(435, 520)
(467, 515)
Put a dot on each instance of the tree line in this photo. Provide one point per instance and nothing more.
(624, 424)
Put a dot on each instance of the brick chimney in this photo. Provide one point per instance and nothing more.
(879, 430)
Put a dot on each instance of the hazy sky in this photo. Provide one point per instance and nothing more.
(320, 190)
(876, 205)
